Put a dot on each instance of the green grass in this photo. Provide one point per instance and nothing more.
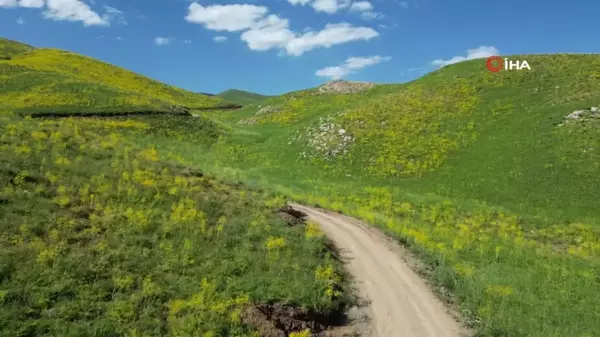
(9, 48)
(105, 237)
(241, 97)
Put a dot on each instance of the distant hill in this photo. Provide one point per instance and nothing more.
(58, 81)
(241, 97)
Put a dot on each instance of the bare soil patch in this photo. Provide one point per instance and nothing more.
(280, 320)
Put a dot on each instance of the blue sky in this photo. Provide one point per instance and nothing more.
(275, 46)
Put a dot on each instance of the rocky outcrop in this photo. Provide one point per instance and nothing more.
(267, 110)
(326, 140)
(344, 87)
(590, 114)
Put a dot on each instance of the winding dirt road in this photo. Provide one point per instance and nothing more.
(401, 304)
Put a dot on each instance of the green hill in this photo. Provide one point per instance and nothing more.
(481, 173)
(241, 97)
(104, 232)
(57, 81)
(461, 131)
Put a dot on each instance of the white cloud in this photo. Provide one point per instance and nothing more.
(366, 10)
(8, 3)
(31, 3)
(114, 15)
(361, 6)
(273, 32)
(120, 38)
(229, 18)
(69, 10)
(20, 21)
(325, 6)
(403, 4)
(330, 6)
(73, 10)
(269, 33)
(187, 41)
(333, 34)
(265, 32)
(220, 38)
(161, 41)
(477, 53)
(350, 66)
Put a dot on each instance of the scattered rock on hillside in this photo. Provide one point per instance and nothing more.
(590, 114)
(179, 110)
(584, 114)
(344, 87)
(266, 110)
(263, 110)
(248, 121)
(326, 140)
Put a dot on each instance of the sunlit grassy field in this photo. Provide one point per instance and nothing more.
(105, 237)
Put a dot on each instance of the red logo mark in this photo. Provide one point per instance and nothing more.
(499, 63)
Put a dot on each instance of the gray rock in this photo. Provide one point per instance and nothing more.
(344, 87)
(267, 109)
(576, 114)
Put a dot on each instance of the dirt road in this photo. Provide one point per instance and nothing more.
(401, 304)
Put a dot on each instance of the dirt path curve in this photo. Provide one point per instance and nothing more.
(401, 304)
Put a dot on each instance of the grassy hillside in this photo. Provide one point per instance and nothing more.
(481, 173)
(462, 132)
(50, 80)
(102, 236)
(241, 97)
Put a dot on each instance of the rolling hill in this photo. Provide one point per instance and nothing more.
(492, 179)
(461, 131)
(104, 234)
(57, 81)
(241, 97)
